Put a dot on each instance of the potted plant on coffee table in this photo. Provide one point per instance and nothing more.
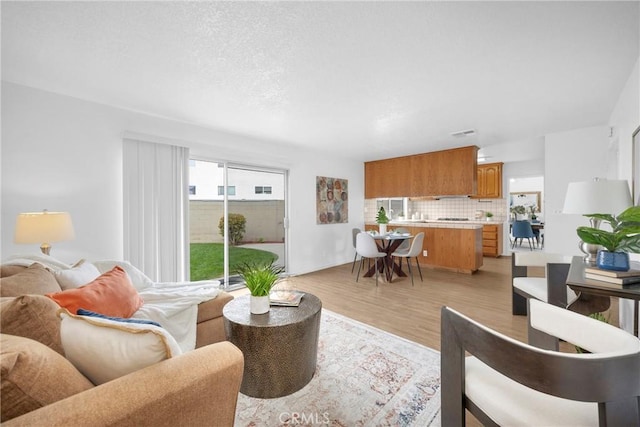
(260, 278)
(382, 219)
(624, 238)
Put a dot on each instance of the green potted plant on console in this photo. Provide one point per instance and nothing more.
(382, 219)
(624, 238)
(260, 278)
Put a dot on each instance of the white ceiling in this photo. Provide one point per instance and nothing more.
(366, 80)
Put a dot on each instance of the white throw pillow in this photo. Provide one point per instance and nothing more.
(81, 274)
(105, 349)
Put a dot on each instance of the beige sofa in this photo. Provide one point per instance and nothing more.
(199, 387)
(209, 330)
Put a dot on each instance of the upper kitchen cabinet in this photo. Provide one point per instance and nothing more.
(490, 181)
(447, 172)
(387, 178)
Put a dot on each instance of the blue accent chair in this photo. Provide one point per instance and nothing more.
(522, 230)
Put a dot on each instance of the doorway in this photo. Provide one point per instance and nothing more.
(236, 215)
(528, 193)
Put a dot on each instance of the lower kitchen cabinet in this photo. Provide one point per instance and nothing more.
(492, 240)
(447, 247)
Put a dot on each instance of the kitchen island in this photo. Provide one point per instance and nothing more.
(450, 245)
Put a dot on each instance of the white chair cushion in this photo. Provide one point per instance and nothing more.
(509, 403)
(600, 338)
(539, 259)
(537, 288)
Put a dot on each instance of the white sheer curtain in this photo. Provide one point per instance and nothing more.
(156, 179)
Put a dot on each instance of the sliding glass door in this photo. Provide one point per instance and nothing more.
(237, 215)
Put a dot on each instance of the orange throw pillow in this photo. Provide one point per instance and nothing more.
(111, 294)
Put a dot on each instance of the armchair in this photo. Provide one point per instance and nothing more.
(551, 288)
(506, 382)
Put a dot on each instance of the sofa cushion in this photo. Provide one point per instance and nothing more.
(32, 316)
(33, 375)
(105, 349)
(111, 294)
(35, 279)
(9, 270)
(212, 308)
(80, 274)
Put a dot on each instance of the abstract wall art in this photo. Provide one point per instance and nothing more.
(332, 200)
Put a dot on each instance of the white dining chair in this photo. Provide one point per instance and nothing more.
(366, 247)
(413, 252)
(354, 233)
(406, 244)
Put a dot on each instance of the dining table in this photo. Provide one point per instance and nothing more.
(388, 243)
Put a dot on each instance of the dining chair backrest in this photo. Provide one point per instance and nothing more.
(404, 246)
(354, 233)
(522, 229)
(416, 245)
(366, 246)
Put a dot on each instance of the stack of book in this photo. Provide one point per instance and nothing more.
(618, 278)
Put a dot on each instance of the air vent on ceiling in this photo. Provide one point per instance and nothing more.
(466, 132)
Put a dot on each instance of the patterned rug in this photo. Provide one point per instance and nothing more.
(364, 377)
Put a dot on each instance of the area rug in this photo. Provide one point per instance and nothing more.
(364, 377)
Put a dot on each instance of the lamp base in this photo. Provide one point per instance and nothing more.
(45, 248)
(590, 250)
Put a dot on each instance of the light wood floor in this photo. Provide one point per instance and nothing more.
(413, 312)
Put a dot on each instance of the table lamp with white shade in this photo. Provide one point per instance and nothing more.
(599, 196)
(44, 227)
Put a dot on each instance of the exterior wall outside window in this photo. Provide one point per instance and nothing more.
(207, 177)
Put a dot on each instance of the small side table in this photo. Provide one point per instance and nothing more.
(280, 347)
(579, 283)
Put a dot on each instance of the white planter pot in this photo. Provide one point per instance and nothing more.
(382, 229)
(259, 305)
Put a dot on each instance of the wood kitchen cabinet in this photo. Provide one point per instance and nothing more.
(492, 240)
(447, 172)
(387, 178)
(455, 249)
(489, 181)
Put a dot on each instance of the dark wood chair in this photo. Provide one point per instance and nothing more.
(506, 382)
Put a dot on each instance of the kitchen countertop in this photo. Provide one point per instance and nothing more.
(437, 224)
(428, 221)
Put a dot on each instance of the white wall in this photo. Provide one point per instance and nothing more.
(578, 155)
(61, 153)
(532, 183)
(625, 118)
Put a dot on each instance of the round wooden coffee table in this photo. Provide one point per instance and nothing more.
(280, 347)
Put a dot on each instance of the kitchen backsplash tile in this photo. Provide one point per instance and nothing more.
(450, 208)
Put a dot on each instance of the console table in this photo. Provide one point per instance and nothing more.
(279, 347)
(582, 285)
